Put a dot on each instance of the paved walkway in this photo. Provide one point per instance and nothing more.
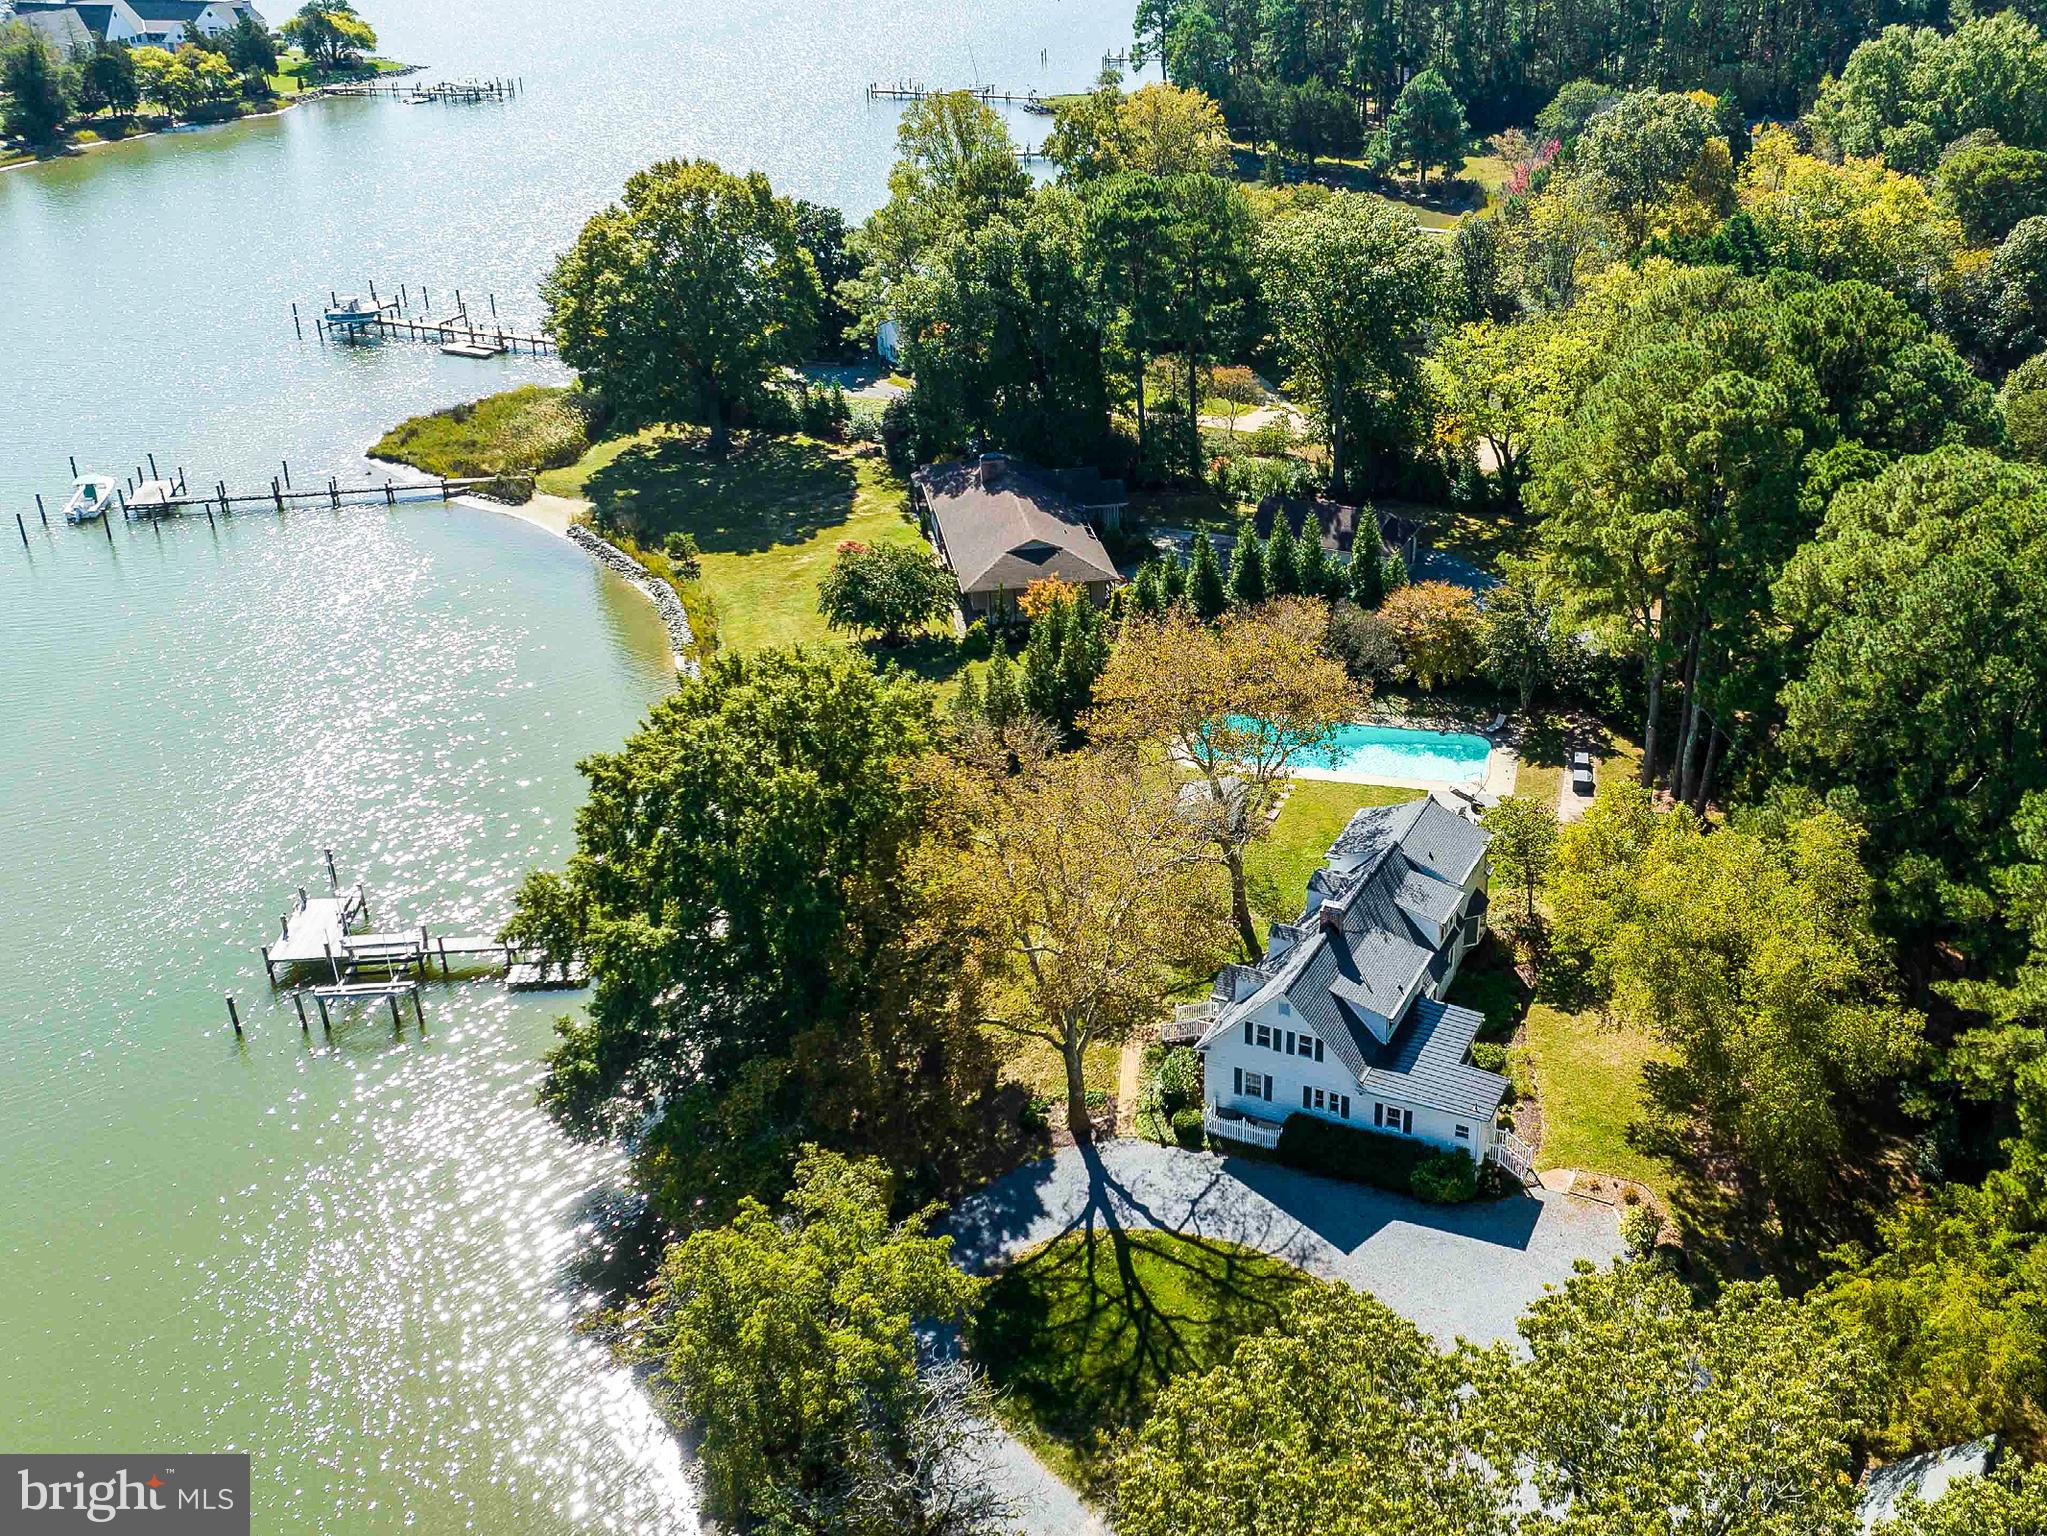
(1458, 1271)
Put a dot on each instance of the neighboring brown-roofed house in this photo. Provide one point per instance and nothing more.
(1000, 525)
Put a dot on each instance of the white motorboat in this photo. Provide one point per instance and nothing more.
(92, 497)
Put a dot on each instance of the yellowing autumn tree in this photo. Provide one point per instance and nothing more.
(1436, 623)
(1242, 703)
(1088, 892)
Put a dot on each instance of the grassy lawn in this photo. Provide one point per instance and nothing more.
(1277, 868)
(296, 74)
(767, 519)
(1080, 1335)
(1588, 1078)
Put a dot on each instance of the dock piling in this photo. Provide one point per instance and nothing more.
(296, 329)
(24, 529)
(74, 466)
(45, 516)
(233, 1017)
(333, 879)
(298, 999)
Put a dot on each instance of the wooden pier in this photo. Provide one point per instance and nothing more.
(459, 334)
(419, 95)
(906, 91)
(175, 499)
(329, 938)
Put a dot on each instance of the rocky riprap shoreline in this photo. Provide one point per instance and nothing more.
(681, 639)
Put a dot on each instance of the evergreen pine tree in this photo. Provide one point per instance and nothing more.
(1282, 561)
(1174, 571)
(1247, 568)
(1148, 592)
(967, 708)
(1041, 661)
(1317, 577)
(1081, 660)
(1367, 574)
(1205, 587)
(1000, 705)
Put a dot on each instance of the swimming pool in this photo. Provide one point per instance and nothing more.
(1390, 751)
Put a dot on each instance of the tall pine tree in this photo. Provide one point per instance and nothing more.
(1248, 587)
(1205, 587)
(1317, 576)
(1367, 574)
(1282, 561)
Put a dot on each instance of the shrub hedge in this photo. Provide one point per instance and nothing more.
(1370, 1157)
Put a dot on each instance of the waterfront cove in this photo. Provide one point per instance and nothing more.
(362, 1260)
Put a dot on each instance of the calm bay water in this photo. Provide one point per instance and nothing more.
(354, 1261)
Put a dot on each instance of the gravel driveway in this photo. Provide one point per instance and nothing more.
(1456, 1271)
(1466, 1270)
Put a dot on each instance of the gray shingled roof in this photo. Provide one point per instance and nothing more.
(1358, 950)
(1425, 1063)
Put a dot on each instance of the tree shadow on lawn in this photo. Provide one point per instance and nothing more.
(1084, 1332)
(768, 491)
(1735, 1226)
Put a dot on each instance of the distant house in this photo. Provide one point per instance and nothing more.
(1000, 525)
(1344, 1018)
(1338, 524)
(138, 23)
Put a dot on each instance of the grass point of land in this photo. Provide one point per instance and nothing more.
(768, 520)
(1080, 1336)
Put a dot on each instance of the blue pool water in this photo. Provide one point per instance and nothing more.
(1369, 751)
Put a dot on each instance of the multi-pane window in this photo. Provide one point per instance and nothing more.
(1286, 1041)
(1337, 1104)
(1392, 1117)
(1253, 1085)
(1464, 1133)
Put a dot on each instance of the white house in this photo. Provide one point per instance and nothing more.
(1344, 1017)
(138, 23)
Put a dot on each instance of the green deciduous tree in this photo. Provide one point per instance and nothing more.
(35, 85)
(1352, 286)
(763, 962)
(789, 1343)
(885, 589)
(2022, 406)
(330, 33)
(680, 302)
(1004, 332)
(1990, 187)
(1426, 127)
(1344, 1419)
(1751, 953)
(1637, 153)
(1524, 843)
(1640, 1412)
(1521, 644)
(955, 169)
(1436, 623)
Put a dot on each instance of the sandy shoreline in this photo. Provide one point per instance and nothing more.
(554, 513)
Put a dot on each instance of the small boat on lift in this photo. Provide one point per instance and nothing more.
(92, 497)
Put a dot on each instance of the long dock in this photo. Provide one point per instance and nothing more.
(907, 91)
(418, 95)
(174, 499)
(353, 319)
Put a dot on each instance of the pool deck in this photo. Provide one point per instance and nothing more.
(1501, 769)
